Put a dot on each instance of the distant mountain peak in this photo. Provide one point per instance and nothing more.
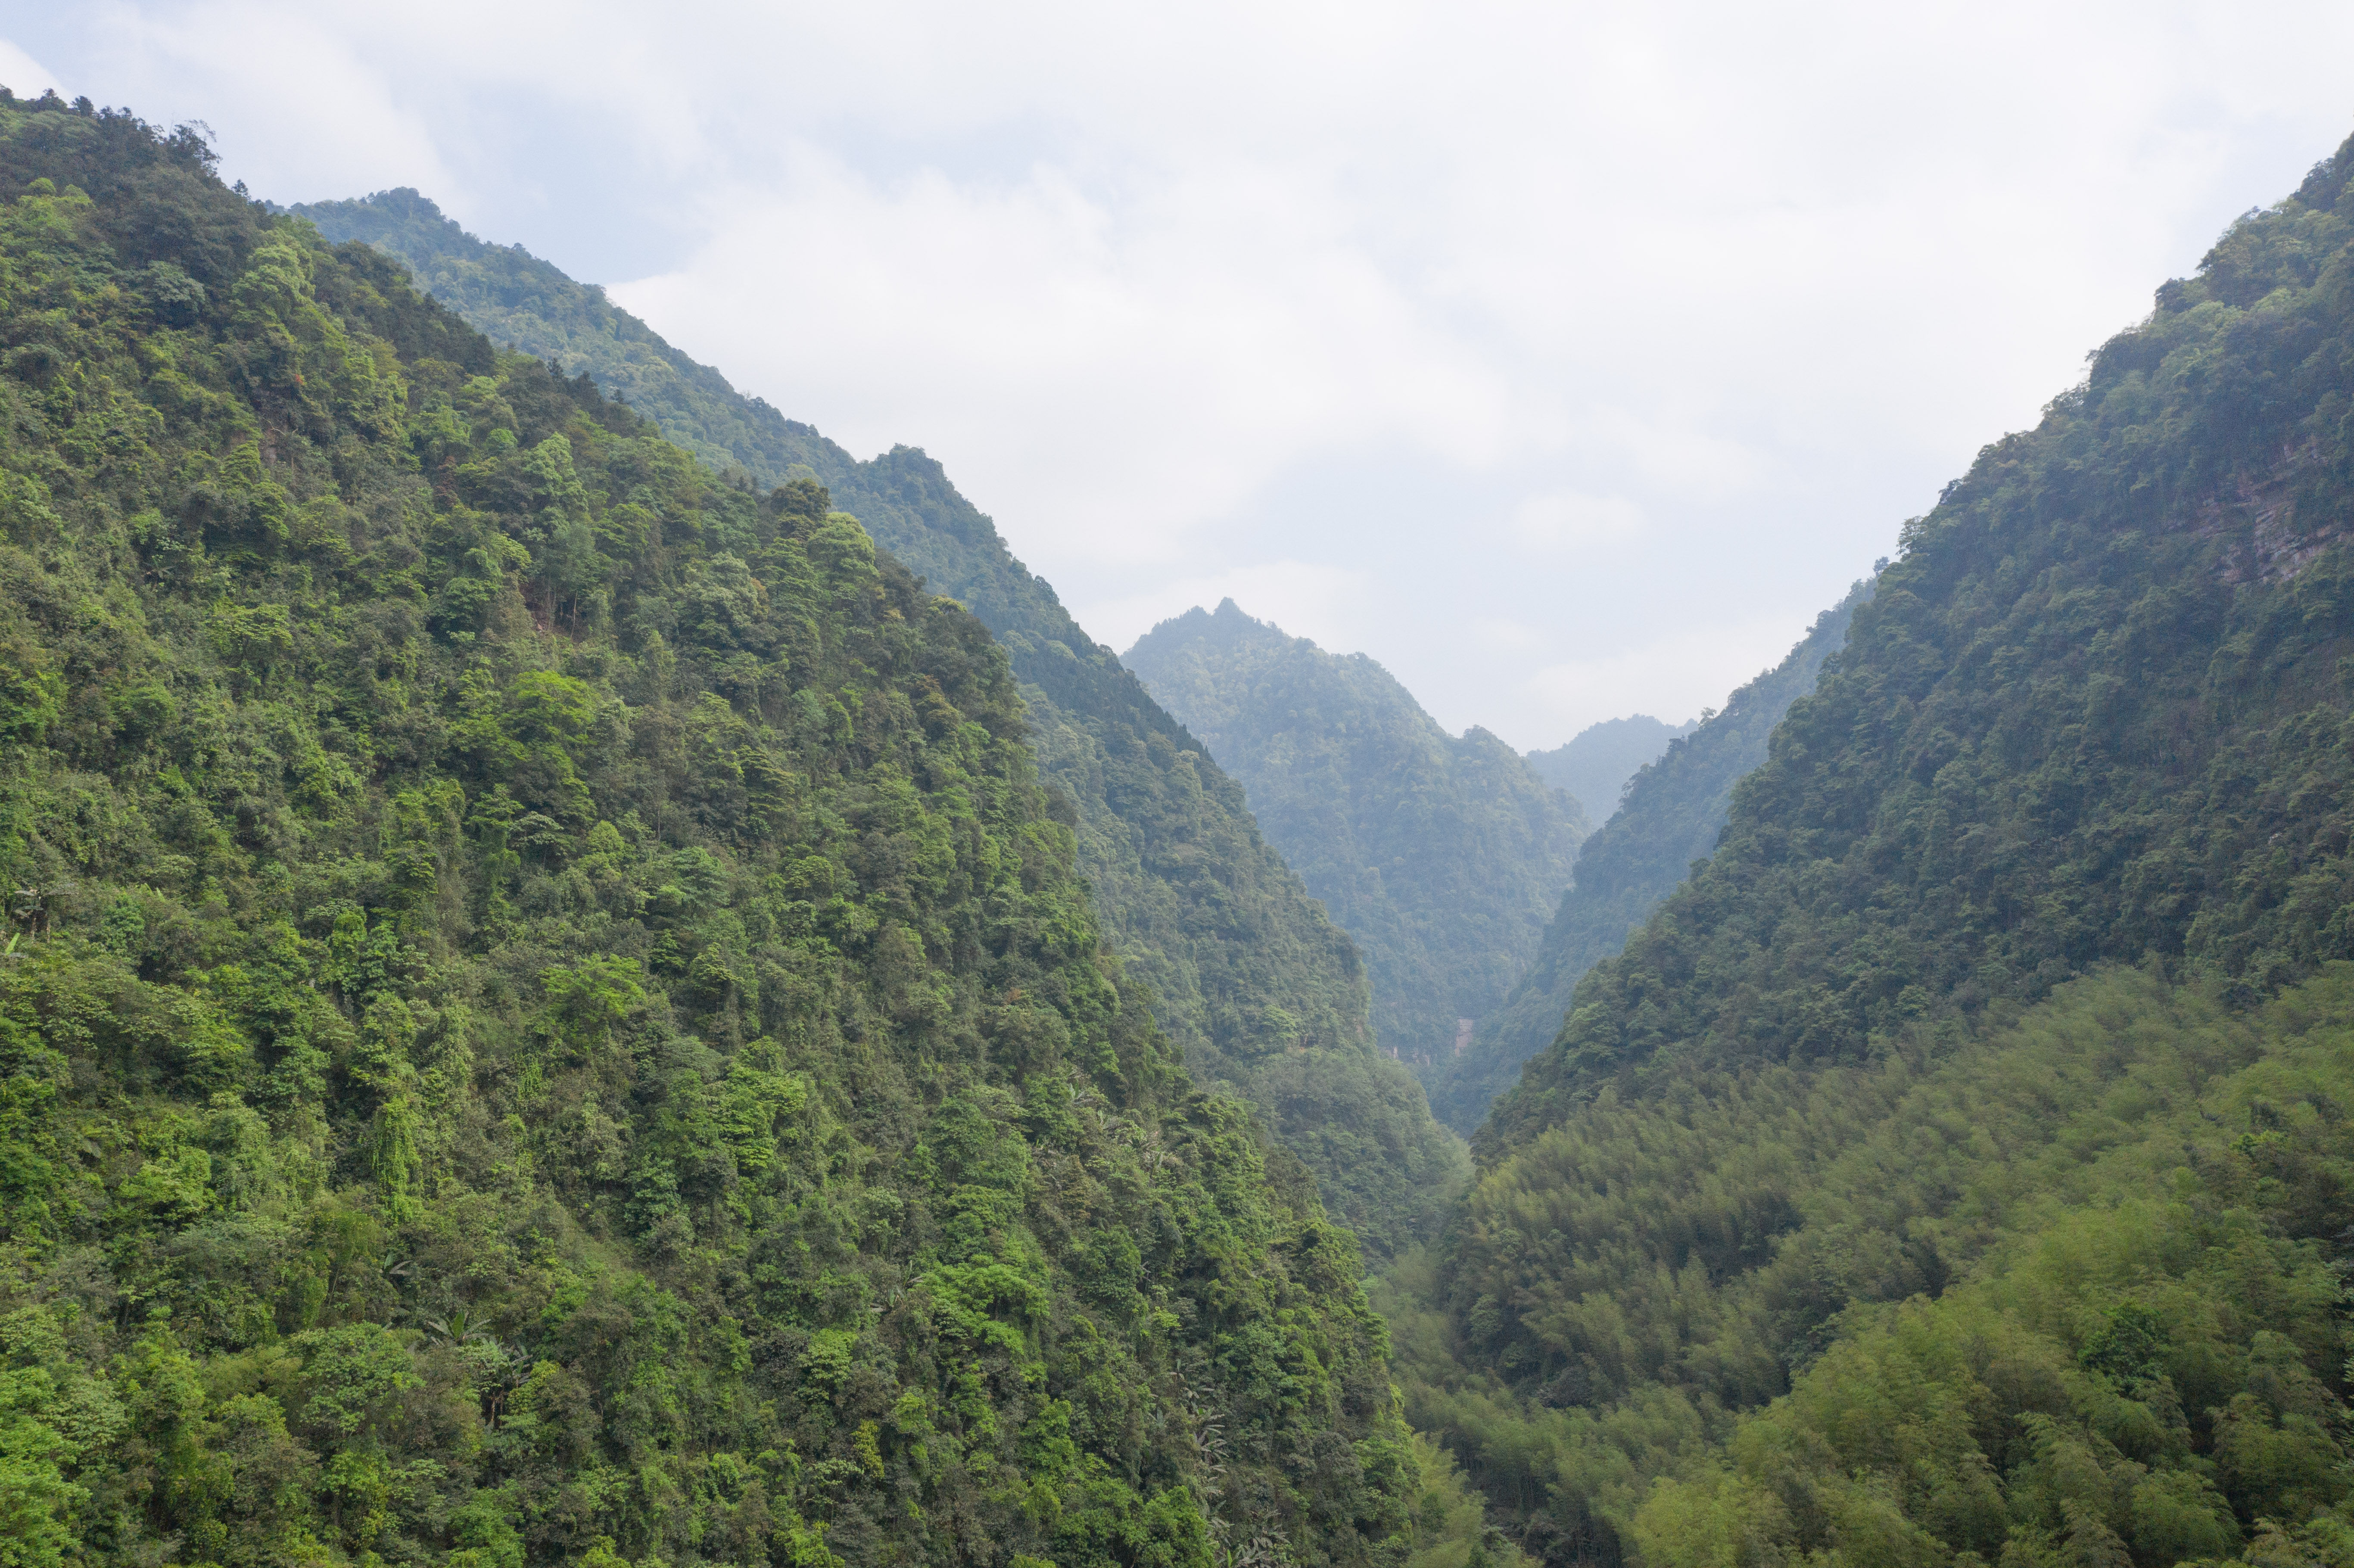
(1442, 855)
(1598, 763)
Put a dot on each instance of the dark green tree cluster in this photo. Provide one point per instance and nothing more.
(1441, 856)
(2090, 714)
(1263, 992)
(2068, 1292)
(1954, 1169)
(1596, 765)
(1673, 810)
(522, 304)
(547, 1015)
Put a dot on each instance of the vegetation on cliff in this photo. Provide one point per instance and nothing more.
(1953, 1170)
(547, 1015)
(1596, 764)
(1262, 991)
(1441, 855)
(552, 1010)
(1672, 810)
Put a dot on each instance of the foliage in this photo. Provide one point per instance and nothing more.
(522, 302)
(2092, 713)
(1441, 856)
(1599, 761)
(2106, 1237)
(549, 1016)
(1673, 810)
(1450, 1517)
(1865, 1210)
(1263, 993)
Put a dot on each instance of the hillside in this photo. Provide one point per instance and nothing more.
(1441, 856)
(549, 1016)
(1672, 810)
(2067, 1292)
(1954, 1168)
(1594, 767)
(1261, 990)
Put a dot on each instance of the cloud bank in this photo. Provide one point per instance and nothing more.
(1566, 358)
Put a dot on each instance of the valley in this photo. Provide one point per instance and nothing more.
(594, 978)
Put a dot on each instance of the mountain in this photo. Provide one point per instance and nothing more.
(1954, 1169)
(1672, 811)
(524, 304)
(1441, 856)
(549, 1016)
(1594, 767)
(1263, 992)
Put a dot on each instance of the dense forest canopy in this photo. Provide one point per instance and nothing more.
(561, 1005)
(2068, 1292)
(1263, 992)
(1594, 767)
(1673, 810)
(1954, 1169)
(1442, 855)
(548, 1015)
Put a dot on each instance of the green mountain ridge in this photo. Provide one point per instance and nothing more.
(1262, 991)
(548, 1015)
(1598, 763)
(1953, 1171)
(559, 1006)
(1441, 856)
(1670, 816)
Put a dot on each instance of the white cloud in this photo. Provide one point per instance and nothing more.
(1637, 329)
(1661, 677)
(1163, 356)
(26, 77)
(1514, 638)
(303, 105)
(1566, 520)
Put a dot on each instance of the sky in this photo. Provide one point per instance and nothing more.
(1566, 358)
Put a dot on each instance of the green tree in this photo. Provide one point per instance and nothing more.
(1243, 966)
(551, 1016)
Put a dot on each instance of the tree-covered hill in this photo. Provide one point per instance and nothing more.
(2070, 1292)
(1441, 856)
(547, 1015)
(1954, 1169)
(1265, 994)
(524, 303)
(1670, 815)
(1595, 765)
(2086, 717)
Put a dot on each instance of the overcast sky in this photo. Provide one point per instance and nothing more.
(1566, 358)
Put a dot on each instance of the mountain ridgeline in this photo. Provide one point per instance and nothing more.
(1670, 817)
(1955, 1170)
(561, 1006)
(1441, 856)
(1262, 991)
(549, 1016)
(1595, 767)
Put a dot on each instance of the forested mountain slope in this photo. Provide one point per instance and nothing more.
(1441, 856)
(1261, 989)
(2082, 719)
(1672, 811)
(1594, 767)
(1955, 1168)
(548, 1017)
(524, 303)
(2114, 1229)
